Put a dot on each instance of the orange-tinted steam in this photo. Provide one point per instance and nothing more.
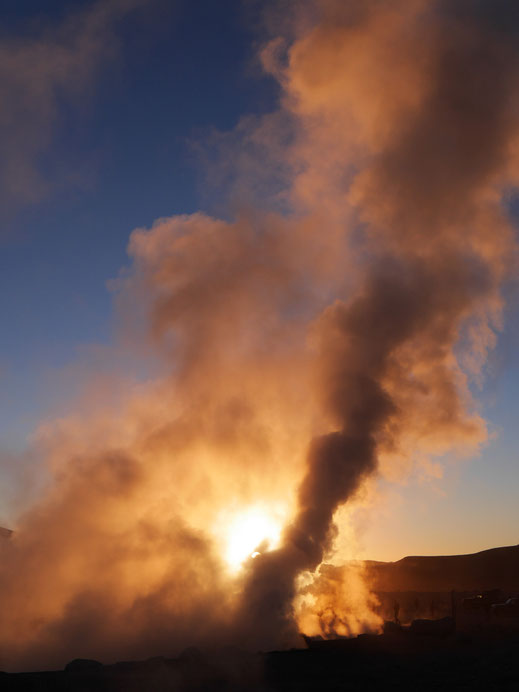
(336, 601)
(304, 350)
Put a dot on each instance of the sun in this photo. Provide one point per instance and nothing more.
(248, 533)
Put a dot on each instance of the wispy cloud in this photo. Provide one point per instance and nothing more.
(42, 72)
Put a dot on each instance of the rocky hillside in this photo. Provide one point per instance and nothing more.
(488, 569)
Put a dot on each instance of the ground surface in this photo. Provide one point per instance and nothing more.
(458, 662)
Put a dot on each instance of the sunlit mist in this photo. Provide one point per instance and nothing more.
(248, 534)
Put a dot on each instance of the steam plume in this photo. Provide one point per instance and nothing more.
(304, 350)
(424, 97)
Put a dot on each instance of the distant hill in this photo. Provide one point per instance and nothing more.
(489, 569)
(5, 533)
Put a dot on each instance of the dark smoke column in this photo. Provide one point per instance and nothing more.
(439, 247)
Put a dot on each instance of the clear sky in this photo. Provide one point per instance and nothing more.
(118, 150)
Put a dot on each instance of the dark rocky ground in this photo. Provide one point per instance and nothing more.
(394, 661)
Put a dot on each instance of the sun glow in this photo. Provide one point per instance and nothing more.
(249, 533)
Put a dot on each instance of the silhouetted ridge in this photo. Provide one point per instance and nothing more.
(488, 569)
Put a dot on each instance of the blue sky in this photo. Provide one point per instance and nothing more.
(121, 155)
(133, 142)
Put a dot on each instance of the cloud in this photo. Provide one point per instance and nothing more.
(42, 71)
